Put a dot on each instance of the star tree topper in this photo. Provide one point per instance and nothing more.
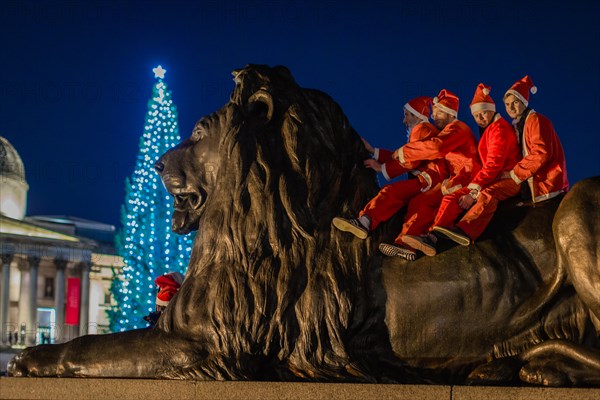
(159, 72)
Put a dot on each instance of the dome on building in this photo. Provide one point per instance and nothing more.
(11, 164)
(13, 186)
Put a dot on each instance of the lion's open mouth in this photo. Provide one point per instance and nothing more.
(185, 222)
(188, 206)
(188, 203)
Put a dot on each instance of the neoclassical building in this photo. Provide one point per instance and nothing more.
(56, 270)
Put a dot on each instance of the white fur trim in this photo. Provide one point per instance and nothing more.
(376, 153)
(454, 188)
(474, 186)
(160, 302)
(514, 177)
(518, 96)
(401, 155)
(415, 112)
(446, 109)
(427, 178)
(547, 196)
(446, 191)
(476, 107)
(384, 172)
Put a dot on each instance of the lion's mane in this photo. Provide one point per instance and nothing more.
(271, 280)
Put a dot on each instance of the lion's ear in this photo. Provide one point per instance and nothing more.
(236, 75)
(199, 132)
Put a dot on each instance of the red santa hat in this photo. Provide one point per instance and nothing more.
(168, 285)
(419, 107)
(447, 102)
(482, 101)
(521, 89)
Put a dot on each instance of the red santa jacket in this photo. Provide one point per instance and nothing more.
(543, 165)
(498, 151)
(457, 145)
(431, 172)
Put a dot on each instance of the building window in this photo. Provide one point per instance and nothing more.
(49, 287)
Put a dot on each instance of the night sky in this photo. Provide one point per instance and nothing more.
(76, 76)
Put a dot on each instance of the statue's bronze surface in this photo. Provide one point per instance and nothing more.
(273, 292)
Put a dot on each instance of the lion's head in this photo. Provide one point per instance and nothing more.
(188, 172)
(261, 180)
(269, 123)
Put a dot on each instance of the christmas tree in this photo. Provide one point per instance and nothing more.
(148, 246)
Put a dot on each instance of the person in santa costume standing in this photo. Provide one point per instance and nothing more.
(543, 166)
(457, 145)
(391, 198)
(499, 153)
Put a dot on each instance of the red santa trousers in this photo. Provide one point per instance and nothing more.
(421, 212)
(390, 199)
(477, 218)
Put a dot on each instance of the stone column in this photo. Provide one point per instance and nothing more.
(59, 300)
(23, 299)
(5, 298)
(84, 304)
(31, 321)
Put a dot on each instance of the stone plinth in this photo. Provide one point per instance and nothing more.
(79, 388)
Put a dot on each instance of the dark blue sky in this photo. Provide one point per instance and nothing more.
(76, 76)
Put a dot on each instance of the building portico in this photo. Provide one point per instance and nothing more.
(55, 272)
(41, 266)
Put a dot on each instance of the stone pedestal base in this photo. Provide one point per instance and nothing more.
(79, 388)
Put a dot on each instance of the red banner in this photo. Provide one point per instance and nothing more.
(73, 294)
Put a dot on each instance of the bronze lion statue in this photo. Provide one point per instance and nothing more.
(273, 292)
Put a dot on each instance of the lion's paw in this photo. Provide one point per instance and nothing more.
(35, 361)
(543, 375)
(496, 372)
(17, 366)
